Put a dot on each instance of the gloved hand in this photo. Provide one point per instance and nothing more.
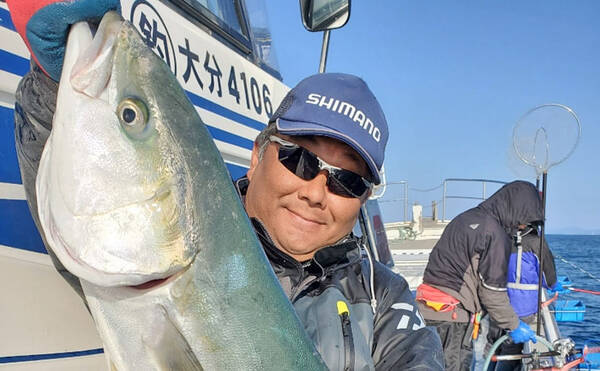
(557, 287)
(43, 25)
(522, 333)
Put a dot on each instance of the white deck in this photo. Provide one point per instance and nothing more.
(411, 255)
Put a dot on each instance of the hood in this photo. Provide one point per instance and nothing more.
(515, 203)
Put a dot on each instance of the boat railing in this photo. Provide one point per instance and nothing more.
(483, 196)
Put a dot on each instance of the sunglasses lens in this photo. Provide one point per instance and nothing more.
(308, 167)
(305, 165)
(347, 183)
(336, 187)
(299, 161)
(289, 157)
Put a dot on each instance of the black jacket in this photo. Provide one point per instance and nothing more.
(391, 337)
(470, 260)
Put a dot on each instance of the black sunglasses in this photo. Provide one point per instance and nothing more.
(307, 165)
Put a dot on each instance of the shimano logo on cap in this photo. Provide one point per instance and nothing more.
(346, 109)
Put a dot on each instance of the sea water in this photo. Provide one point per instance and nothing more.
(578, 258)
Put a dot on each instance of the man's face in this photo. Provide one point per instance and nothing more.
(302, 216)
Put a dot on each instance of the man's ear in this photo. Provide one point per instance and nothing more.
(253, 161)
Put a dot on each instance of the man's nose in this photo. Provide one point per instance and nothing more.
(314, 191)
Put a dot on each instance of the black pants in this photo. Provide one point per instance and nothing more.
(456, 341)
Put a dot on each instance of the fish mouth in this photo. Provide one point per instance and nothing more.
(159, 281)
(151, 284)
(97, 51)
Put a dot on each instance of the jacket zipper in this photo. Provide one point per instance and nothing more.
(347, 334)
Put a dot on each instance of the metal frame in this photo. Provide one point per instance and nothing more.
(483, 195)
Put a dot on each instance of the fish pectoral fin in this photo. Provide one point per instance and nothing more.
(92, 70)
(169, 349)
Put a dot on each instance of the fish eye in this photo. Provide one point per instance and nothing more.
(133, 115)
(128, 115)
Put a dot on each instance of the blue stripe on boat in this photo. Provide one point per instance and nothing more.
(9, 169)
(230, 138)
(17, 228)
(13, 63)
(222, 111)
(236, 171)
(5, 20)
(40, 357)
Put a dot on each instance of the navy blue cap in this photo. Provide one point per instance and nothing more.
(339, 106)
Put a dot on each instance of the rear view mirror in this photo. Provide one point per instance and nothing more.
(322, 15)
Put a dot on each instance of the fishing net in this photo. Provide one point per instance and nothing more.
(545, 136)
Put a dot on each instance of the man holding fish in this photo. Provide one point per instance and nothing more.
(311, 169)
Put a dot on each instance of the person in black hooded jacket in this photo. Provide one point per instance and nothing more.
(467, 272)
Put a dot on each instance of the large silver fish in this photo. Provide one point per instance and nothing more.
(135, 200)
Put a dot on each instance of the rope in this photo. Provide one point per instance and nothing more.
(393, 200)
(586, 291)
(570, 365)
(439, 202)
(547, 302)
(577, 267)
(426, 189)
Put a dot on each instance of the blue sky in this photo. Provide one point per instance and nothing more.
(454, 77)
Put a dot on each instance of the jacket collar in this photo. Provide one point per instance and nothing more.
(329, 258)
